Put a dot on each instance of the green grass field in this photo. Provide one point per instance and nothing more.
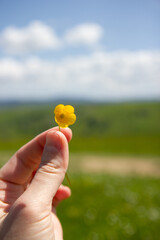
(102, 206)
(105, 207)
(126, 128)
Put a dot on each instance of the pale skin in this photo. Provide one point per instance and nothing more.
(31, 188)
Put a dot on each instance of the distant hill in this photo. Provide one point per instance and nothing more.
(18, 102)
(44, 102)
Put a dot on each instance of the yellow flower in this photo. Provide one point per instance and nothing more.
(64, 115)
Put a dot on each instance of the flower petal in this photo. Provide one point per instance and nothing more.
(59, 108)
(69, 109)
(71, 119)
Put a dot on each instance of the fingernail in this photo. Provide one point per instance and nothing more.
(53, 140)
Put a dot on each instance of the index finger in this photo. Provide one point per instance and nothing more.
(26, 160)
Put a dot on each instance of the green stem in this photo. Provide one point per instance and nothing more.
(68, 179)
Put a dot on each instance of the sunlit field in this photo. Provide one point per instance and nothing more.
(111, 207)
(105, 204)
(127, 128)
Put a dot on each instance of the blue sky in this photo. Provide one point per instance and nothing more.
(128, 24)
(101, 50)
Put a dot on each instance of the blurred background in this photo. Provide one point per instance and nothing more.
(102, 57)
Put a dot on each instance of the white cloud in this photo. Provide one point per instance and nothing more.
(10, 69)
(34, 37)
(85, 34)
(38, 36)
(100, 76)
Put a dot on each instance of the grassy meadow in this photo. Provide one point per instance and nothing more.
(107, 207)
(126, 128)
(102, 206)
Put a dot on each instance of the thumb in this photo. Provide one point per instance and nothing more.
(52, 168)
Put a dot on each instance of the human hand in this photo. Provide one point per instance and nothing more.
(30, 188)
